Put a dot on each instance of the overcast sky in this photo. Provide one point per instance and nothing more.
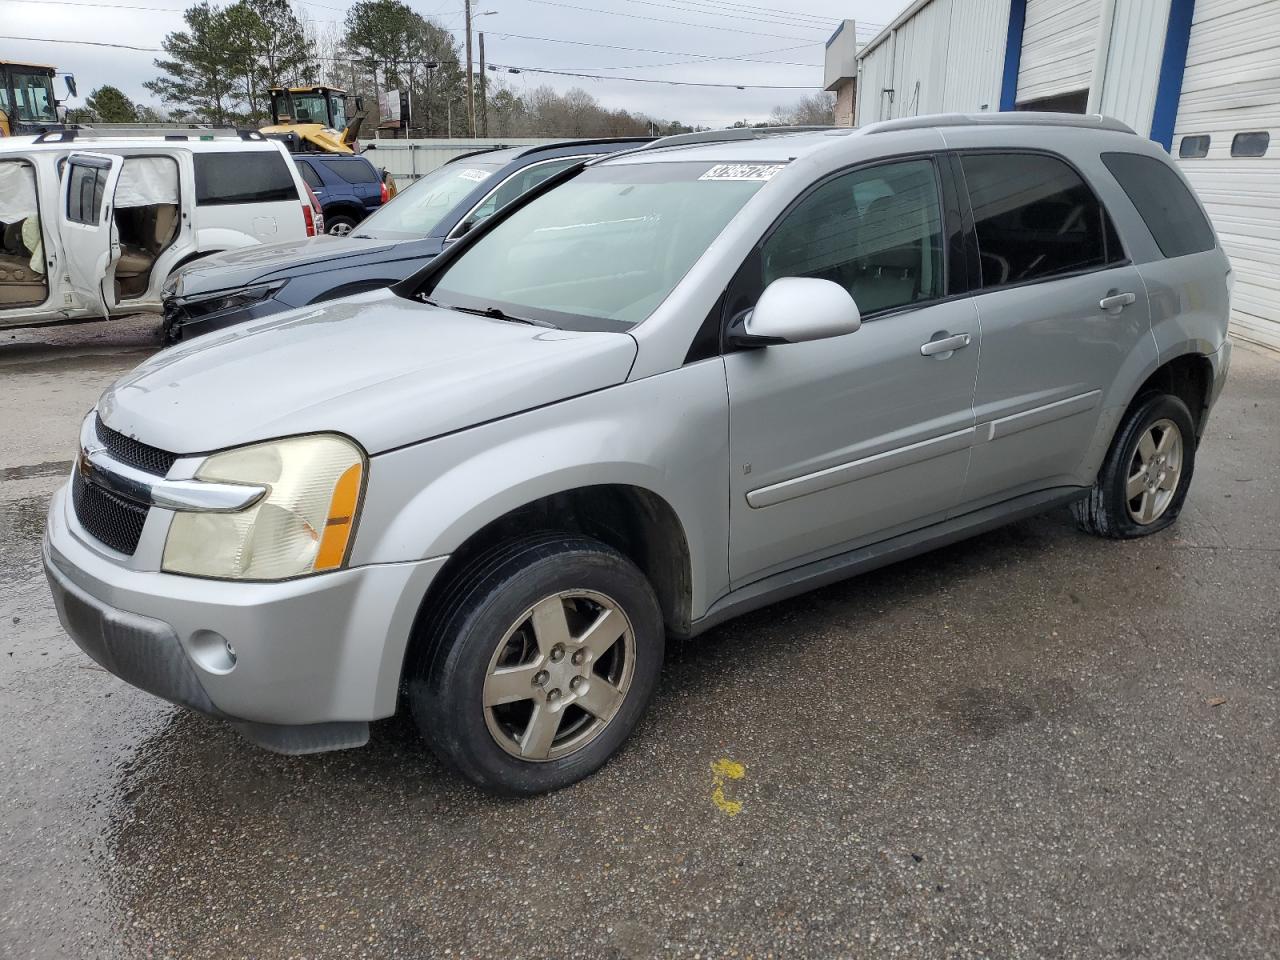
(754, 29)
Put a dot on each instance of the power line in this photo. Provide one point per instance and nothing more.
(827, 18)
(109, 6)
(706, 8)
(678, 23)
(563, 73)
(85, 43)
(702, 57)
(737, 15)
(672, 83)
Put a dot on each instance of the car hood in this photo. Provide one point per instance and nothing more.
(238, 268)
(381, 369)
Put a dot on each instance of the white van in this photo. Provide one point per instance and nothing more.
(93, 227)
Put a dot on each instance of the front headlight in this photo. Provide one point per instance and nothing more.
(202, 305)
(303, 524)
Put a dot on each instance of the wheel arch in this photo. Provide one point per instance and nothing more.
(1187, 375)
(635, 521)
(345, 208)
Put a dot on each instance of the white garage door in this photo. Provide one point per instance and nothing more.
(1231, 95)
(1059, 38)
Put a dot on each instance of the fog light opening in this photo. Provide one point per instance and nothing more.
(212, 651)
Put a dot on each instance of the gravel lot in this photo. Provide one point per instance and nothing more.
(1032, 744)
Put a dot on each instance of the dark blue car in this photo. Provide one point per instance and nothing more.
(349, 188)
(394, 242)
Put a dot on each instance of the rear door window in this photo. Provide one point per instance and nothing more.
(1036, 219)
(1164, 202)
(246, 176)
(84, 199)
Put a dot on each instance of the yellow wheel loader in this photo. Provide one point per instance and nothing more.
(27, 103)
(315, 119)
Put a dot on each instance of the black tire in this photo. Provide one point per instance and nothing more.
(339, 220)
(1105, 511)
(457, 642)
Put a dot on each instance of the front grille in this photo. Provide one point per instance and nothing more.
(113, 520)
(134, 452)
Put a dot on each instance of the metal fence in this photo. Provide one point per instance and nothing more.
(407, 160)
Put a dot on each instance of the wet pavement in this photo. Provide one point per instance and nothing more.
(1032, 744)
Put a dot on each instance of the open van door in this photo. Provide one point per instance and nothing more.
(87, 227)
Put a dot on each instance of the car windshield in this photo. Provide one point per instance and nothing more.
(33, 93)
(601, 251)
(420, 207)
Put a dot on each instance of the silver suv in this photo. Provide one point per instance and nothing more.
(665, 388)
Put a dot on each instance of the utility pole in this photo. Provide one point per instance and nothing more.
(471, 100)
(484, 98)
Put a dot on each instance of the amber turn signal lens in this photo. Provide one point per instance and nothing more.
(342, 515)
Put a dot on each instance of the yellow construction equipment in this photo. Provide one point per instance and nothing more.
(27, 103)
(315, 119)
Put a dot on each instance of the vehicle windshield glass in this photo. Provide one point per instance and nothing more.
(33, 97)
(601, 251)
(420, 207)
(310, 108)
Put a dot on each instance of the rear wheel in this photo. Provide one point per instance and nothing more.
(339, 225)
(538, 663)
(1144, 480)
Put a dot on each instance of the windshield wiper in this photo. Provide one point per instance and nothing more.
(496, 313)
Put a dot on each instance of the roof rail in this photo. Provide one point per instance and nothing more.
(733, 133)
(128, 132)
(1018, 118)
(55, 136)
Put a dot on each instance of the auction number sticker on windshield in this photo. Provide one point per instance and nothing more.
(473, 174)
(742, 171)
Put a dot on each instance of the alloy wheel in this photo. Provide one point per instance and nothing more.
(559, 675)
(1154, 472)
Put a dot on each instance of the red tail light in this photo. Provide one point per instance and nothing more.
(311, 215)
(386, 194)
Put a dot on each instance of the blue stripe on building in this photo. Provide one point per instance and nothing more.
(1013, 54)
(1169, 88)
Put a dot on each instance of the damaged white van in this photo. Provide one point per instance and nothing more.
(93, 227)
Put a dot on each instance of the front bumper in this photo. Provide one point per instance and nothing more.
(315, 658)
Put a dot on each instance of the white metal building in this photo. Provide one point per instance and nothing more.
(1202, 77)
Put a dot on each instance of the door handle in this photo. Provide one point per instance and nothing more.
(1116, 301)
(944, 345)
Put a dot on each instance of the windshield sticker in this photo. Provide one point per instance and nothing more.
(472, 174)
(742, 171)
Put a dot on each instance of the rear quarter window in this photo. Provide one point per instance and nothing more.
(247, 176)
(309, 175)
(1164, 203)
(353, 170)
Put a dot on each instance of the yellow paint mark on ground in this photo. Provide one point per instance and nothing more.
(721, 771)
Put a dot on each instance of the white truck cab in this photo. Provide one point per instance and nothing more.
(92, 227)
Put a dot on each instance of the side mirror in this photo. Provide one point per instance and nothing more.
(799, 309)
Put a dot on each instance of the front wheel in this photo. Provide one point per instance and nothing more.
(538, 664)
(1144, 479)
